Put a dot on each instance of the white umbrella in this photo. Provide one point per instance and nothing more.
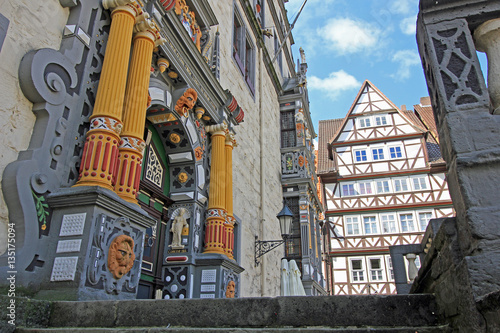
(296, 287)
(285, 279)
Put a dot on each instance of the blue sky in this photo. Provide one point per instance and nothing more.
(348, 41)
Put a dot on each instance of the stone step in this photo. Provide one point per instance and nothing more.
(322, 311)
(432, 329)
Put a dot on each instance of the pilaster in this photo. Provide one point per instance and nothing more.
(215, 231)
(132, 145)
(229, 224)
(98, 166)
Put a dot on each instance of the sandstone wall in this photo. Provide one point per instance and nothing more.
(33, 25)
(257, 179)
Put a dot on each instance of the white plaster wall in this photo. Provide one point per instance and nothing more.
(256, 205)
(33, 25)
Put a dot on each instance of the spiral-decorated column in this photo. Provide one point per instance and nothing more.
(101, 147)
(216, 213)
(132, 145)
(229, 223)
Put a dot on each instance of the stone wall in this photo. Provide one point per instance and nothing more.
(256, 160)
(32, 25)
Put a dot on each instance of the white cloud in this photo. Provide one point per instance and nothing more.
(406, 59)
(408, 25)
(350, 36)
(404, 6)
(334, 84)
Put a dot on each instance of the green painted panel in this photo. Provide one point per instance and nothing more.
(147, 278)
(158, 207)
(144, 198)
(157, 142)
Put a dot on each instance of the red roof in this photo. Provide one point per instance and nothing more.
(326, 131)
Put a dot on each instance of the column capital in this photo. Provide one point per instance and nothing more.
(145, 27)
(123, 5)
(219, 129)
(230, 140)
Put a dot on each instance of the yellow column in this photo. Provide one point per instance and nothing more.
(101, 147)
(229, 225)
(216, 213)
(134, 117)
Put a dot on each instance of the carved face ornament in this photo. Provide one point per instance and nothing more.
(121, 256)
(230, 289)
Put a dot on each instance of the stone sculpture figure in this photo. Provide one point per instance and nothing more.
(121, 256)
(178, 224)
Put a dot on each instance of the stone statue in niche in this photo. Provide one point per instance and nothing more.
(186, 102)
(121, 256)
(230, 289)
(178, 228)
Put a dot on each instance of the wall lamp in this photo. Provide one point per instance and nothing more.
(262, 247)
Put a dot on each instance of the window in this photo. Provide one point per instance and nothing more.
(419, 183)
(380, 120)
(348, 189)
(388, 223)
(390, 269)
(395, 152)
(400, 185)
(365, 188)
(259, 11)
(383, 186)
(249, 65)
(287, 119)
(364, 122)
(238, 41)
(243, 51)
(423, 219)
(360, 155)
(352, 225)
(370, 223)
(279, 56)
(378, 154)
(357, 271)
(375, 269)
(407, 223)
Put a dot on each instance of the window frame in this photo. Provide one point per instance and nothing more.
(420, 220)
(243, 50)
(420, 178)
(390, 268)
(400, 147)
(406, 221)
(384, 116)
(379, 271)
(353, 223)
(356, 272)
(372, 190)
(291, 131)
(354, 189)
(380, 153)
(373, 223)
(361, 122)
(355, 157)
(392, 224)
(400, 180)
(377, 181)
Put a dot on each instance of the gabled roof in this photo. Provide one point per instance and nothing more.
(326, 130)
(371, 99)
(426, 115)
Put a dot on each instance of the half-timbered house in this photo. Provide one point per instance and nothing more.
(382, 179)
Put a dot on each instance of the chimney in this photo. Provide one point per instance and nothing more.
(403, 107)
(425, 101)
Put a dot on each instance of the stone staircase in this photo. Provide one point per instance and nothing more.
(371, 313)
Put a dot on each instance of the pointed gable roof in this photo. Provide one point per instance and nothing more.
(326, 129)
(371, 99)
